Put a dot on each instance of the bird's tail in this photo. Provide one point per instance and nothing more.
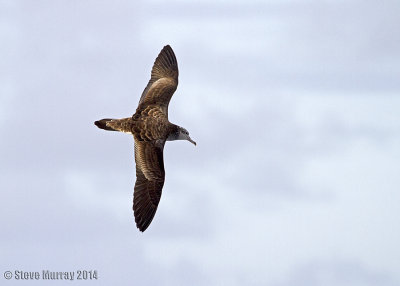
(122, 125)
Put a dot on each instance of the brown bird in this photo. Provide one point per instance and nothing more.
(150, 129)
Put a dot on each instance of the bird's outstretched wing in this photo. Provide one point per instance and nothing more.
(150, 177)
(163, 81)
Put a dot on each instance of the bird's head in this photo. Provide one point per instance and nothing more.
(183, 134)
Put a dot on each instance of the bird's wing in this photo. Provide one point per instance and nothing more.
(150, 176)
(163, 81)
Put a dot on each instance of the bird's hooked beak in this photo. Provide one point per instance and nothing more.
(191, 141)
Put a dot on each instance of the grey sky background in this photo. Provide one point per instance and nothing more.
(295, 109)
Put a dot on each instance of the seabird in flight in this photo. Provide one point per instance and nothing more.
(150, 129)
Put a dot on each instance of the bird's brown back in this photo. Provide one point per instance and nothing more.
(151, 123)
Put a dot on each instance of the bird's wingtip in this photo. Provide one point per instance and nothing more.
(167, 47)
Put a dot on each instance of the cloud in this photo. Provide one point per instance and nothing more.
(336, 272)
(295, 110)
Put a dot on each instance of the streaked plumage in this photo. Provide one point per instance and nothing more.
(150, 128)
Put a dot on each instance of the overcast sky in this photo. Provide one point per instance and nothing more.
(295, 106)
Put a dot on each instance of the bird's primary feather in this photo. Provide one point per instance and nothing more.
(163, 81)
